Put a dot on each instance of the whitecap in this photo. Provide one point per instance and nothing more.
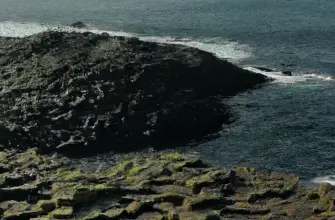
(324, 179)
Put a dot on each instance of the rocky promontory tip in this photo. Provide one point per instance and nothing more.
(81, 93)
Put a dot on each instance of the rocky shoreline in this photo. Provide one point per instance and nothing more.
(81, 93)
(160, 186)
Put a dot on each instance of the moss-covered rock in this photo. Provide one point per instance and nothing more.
(151, 187)
(173, 198)
(204, 202)
(61, 213)
(47, 205)
(118, 213)
(137, 208)
(20, 210)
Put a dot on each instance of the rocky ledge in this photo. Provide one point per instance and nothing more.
(163, 186)
(80, 93)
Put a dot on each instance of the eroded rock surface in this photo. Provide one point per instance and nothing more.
(80, 93)
(166, 187)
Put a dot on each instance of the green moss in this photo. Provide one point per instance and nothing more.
(21, 210)
(245, 170)
(324, 202)
(69, 175)
(61, 213)
(3, 156)
(325, 188)
(47, 205)
(66, 194)
(210, 178)
(137, 208)
(174, 156)
(203, 202)
(122, 167)
(328, 214)
(135, 170)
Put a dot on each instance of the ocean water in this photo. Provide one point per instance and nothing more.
(288, 125)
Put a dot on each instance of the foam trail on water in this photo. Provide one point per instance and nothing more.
(279, 77)
(221, 48)
(324, 179)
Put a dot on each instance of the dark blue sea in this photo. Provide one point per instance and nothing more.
(288, 125)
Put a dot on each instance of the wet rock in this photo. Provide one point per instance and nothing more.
(287, 73)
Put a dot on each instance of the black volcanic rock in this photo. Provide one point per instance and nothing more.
(82, 93)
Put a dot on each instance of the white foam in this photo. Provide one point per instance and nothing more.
(223, 49)
(279, 77)
(324, 179)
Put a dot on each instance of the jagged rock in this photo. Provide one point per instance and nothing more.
(83, 93)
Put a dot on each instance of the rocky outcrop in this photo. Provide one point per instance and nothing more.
(81, 93)
(159, 186)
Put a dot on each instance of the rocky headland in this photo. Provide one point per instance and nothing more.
(82, 93)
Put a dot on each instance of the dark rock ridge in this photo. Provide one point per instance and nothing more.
(81, 93)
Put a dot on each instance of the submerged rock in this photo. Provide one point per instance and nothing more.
(81, 93)
(287, 73)
(78, 24)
